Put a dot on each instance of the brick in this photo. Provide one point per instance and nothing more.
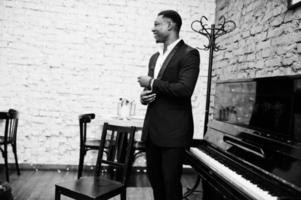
(275, 32)
(297, 37)
(249, 48)
(263, 45)
(256, 29)
(287, 61)
(278, 10)
(259, 64)
(277, 21)
(261, 37)
(245, 34)
(283, 40)
(250, 57)
(299, 48)
(273, 62)
(266, 53)
(285, 49)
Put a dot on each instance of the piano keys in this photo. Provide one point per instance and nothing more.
(252, 147)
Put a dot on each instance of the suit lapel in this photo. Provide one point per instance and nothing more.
(152, 65)
(168, 59)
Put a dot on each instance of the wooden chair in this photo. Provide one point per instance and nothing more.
(86, 144)
(10, 137)
(119, 141)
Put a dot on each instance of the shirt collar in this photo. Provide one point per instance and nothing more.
(170, 46)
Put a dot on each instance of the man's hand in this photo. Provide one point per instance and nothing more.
(147, 97)
(144, 81)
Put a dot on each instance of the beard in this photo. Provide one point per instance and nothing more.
(160, 38)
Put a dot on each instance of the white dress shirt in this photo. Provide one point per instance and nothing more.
(163, 55)
(161, 58)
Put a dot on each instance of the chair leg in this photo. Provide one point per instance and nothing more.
(14, 147)
(6, 165)
(123, 195)
(57, 194)
(81, 163)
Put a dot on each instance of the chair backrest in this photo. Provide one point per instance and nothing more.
(11, 125)
(84, 119)
(117, 142)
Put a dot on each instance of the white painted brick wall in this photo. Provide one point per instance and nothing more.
(62, 58)
(266, 41)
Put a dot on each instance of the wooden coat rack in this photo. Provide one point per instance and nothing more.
(212, 33)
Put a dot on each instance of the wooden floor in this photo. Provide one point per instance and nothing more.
(39, 185)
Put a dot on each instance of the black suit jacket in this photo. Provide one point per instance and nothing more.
(168, 120)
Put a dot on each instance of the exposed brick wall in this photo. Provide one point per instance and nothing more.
(61, 58)
(266, 41)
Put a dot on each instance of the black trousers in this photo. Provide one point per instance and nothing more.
(164, 168)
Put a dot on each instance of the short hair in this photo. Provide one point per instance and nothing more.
(174, 16)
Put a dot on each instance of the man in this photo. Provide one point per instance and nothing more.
(168, 124)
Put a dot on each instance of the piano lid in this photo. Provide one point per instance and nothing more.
(269, 105)
(259, 121)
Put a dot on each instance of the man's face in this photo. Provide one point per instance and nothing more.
(161, 29)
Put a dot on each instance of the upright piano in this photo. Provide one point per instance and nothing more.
(252, 147)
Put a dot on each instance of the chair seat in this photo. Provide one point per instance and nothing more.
(90, 188)
(117, 143)
(92, 143)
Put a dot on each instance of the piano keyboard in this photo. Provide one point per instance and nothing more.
(237, 180)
